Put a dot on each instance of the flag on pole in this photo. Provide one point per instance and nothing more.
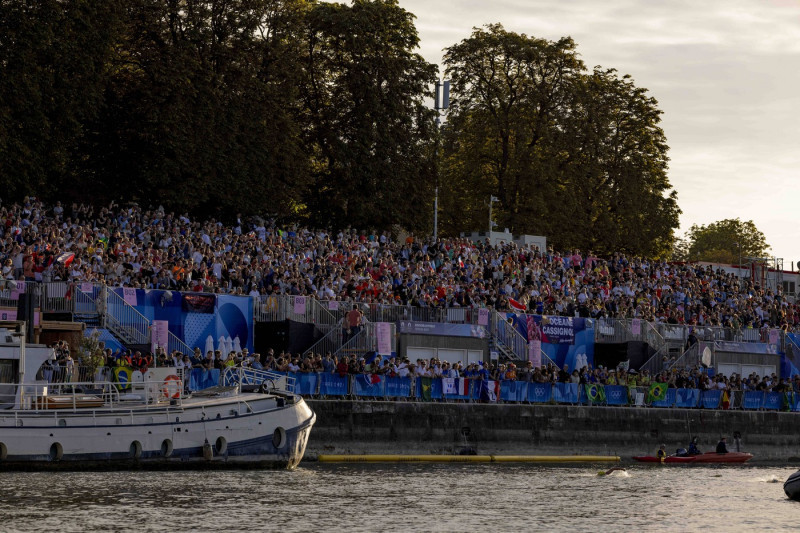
(515, 305)
(658, 392)
(66, 258)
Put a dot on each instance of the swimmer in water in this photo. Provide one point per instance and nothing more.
(614, 469)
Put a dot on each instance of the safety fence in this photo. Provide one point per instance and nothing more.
(374, 386)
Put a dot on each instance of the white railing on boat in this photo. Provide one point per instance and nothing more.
(97, 396)
(252, 376)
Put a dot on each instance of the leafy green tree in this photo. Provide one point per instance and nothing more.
(53, 56)
(576, 156)
(725, 241)
(369, 131)
(201, 105)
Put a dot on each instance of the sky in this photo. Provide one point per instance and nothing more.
(726, 75)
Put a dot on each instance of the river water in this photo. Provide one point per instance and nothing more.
(403, 497)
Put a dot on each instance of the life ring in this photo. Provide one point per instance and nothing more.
(172, 386)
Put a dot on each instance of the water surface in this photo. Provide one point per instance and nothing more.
(404, 497)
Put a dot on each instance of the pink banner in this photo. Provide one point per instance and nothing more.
(773, 336)
(129, 295)
(636, 326)
(383, 331)
(483, 317)
(299, 305)
(159, 334)
(86, 287)
(535, 353)
(333, 305)
(17, 290)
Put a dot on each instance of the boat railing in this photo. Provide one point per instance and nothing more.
(102, 395)
(252, 376)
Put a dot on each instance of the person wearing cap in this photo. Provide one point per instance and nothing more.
(722, 445)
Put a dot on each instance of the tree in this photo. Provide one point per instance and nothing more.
(369, 132)
(53, 55)
(200, 108)
(725, 241)
(576, 156)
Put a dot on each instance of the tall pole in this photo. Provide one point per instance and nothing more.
(438, 106)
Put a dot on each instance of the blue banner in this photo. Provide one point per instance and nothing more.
(201, 378)
(566, 340)
(773, 401)
(616, 395)
(710, 399)
(439, 328)
(435, 385)
(333, 385)
(539, 392)
(398, 387)
(305, 383)
(513, 391)
(668, 401)
(566, 392)
(753, 399)
(687, 397)
(368, 385)
(745, 347)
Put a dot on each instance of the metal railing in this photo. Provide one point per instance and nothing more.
(251, 376)
(124, 320)
(175, 344)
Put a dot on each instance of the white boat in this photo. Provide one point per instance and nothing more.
(257, 420)
(792, 486)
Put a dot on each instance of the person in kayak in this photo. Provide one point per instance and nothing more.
(662, 453)
(722, 446)
(693, 449)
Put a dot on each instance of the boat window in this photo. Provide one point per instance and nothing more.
(8, 371)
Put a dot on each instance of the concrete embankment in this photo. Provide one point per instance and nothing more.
(374, 427)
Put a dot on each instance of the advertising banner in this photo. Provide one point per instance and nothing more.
(438, 328)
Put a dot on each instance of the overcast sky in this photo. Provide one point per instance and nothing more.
(725, 74)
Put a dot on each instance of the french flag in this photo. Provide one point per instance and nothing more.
(516, 305)
(66, 258)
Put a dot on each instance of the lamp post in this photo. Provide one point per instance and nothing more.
(438, 106)
(739, 264)
(492, 199)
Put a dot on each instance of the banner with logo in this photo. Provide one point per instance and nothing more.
(438, 328)
(565, 340)
(383, 331)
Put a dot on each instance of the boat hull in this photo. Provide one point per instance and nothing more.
(792, 486)
(262, 432)
(703, 458)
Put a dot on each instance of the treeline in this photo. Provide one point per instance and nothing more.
(321, 112)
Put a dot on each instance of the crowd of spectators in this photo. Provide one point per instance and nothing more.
(135, 247)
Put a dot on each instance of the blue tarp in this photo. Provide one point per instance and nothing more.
(539, 392)
(616, 395)
(687, 397)
(710, 398)
(566, 392)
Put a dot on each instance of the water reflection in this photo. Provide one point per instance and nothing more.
(403, 497)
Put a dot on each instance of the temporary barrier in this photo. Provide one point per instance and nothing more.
(368, 385)
(514, 391)
(398, 387)
(668, 401)
(616, 395)
(333, 385)
(306, 383)
(753, 399)
(566, 393)
(687, 397)
(539, 392)
(710, 399)
(773, 401)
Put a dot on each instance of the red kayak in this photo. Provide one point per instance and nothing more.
(708, 457)
(671, 459)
